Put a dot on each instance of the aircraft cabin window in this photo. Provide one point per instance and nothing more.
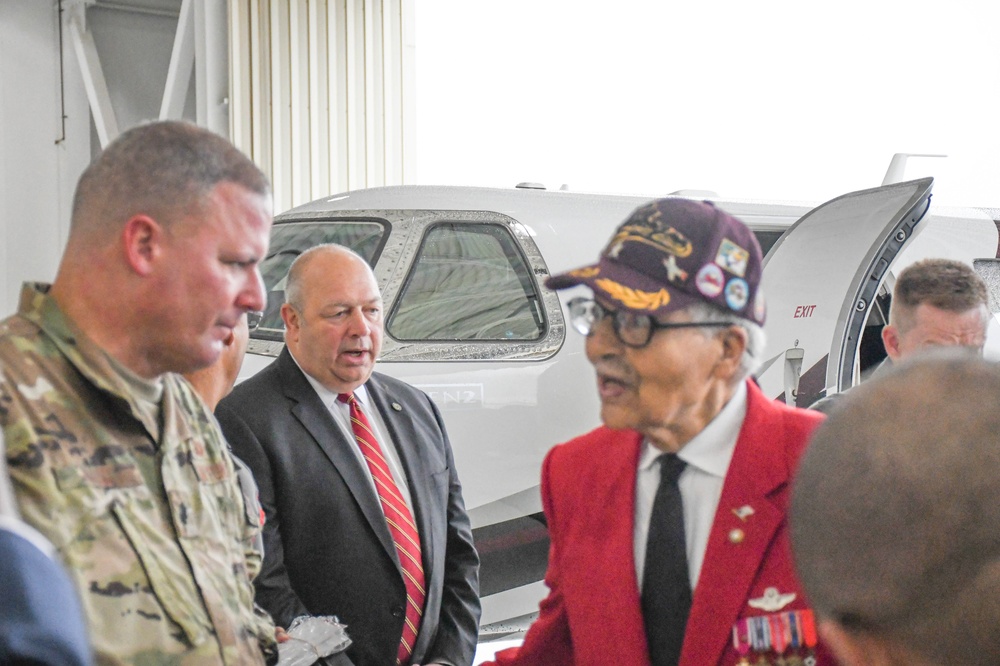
(289, 240)
(469, 282)
(767, 238)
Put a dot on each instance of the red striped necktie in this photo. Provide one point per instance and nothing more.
(401, 526)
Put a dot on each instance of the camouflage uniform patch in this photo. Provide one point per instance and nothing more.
(149, 520)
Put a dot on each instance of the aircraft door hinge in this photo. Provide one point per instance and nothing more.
(793, 370)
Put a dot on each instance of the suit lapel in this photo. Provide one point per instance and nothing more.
(328, 436)
(755, 473)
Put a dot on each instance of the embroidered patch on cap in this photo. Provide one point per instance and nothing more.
(674, 272)
(737, 293)
(710, 280)
(758, 306)
(732, 257)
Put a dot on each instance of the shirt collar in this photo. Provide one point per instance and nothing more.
(712, 448)
(329, 397)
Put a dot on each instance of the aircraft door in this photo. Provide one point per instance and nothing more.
(820, 282)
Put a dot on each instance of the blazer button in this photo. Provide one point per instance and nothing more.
(398, 611)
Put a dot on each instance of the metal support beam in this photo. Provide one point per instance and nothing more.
(212, 65)
(181, 65)
(93, 76)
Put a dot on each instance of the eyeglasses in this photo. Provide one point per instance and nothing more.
(254, 317)
(633, 329)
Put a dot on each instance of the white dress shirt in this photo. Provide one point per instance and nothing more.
(707, 457)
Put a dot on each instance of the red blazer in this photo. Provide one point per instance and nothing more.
(593, 615)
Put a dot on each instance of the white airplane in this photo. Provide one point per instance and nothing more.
(470, 322)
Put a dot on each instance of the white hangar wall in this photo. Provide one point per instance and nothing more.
(39, 161)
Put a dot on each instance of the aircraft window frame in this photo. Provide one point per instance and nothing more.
(497, 350)
(405, 230)
(269, 340)
(528, 296)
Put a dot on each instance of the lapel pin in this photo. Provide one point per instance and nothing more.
(772, 600)
(398, 407)
(744, 512)
(736, 535)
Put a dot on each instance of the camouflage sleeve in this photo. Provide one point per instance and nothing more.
(247, 531)
(31, 439)
(7, 505)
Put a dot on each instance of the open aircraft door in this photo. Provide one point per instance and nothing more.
(820, 282)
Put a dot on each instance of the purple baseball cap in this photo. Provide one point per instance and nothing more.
(672, 253)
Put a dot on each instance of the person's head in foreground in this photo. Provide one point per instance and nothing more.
(936, 303)
(895, 521)
(675, 320)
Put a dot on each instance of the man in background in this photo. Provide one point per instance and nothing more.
(214, 382)
(935, 303)
(113, 457)
(895, 523)
(365, 517)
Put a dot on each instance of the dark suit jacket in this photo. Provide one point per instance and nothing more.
(593, 613)
(40, 618)
(327, 549)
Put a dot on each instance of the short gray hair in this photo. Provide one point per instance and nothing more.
(164, 169)
(756, 340)
(293, 281)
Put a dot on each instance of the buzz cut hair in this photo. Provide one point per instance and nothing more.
(894, 522)
(945, 284)
(164, 169)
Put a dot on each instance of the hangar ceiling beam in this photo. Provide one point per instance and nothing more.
(212, 65)
(181, 64)
(93, 76)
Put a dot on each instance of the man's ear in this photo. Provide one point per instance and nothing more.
(290, 316)
(734, 343)
(143, 239)
(890, 338)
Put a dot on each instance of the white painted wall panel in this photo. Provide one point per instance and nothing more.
(319, 92)
(40, 157)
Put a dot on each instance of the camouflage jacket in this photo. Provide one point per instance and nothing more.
(155, 532)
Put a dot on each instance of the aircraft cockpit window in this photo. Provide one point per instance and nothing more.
(289, 240)
(469, 282)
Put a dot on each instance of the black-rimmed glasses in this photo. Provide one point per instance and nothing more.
(254, 317)
(633, 329)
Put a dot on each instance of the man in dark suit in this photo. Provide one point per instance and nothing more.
(364, 512)
(668, 533)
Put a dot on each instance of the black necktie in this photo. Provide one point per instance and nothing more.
(666, 586)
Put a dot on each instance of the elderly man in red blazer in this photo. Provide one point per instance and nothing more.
(668, 530)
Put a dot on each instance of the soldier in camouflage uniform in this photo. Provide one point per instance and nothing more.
(114, 458)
